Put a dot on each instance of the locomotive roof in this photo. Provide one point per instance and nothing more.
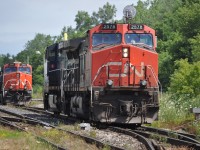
(52, 47)
(71, 45)
(16, 64)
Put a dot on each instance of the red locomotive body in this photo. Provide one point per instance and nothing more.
(128, 71)
(110, 75)
(16, 83)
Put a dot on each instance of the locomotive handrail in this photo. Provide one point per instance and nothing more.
(54, 70)
(69, 72)
(63, 69)
(94, 80)
(30, 85)
(67, 75)
(9, 81)
(156, 78)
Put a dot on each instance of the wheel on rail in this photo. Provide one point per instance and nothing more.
(56, 113)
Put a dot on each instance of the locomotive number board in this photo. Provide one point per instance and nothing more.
(136, 27)
(109, 27)
(11, 64)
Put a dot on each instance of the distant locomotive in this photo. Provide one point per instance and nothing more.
(110, 75)
(16, 83)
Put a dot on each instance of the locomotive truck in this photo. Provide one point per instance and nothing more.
(110, 75)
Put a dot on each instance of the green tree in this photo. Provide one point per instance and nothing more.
(105, 14)
(142, 15)
(186, 25)
(165, 68)
(186, 79)
(8, 58)
(38, 75)
(83, 21)
(72, 33)
(195, 46)
(34, 53)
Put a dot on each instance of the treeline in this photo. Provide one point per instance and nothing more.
(178, 29)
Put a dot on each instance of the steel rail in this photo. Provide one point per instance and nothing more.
(17, 119)
(86, 138)
(42, 111)
(141, 139)
(25, 117)
(10, 124)
(148, 144)
(182, 139)
(169, 133)
(166, 139)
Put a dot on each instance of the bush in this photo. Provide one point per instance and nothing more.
(172, 115)
(185, 85)
(170, 112)
(37, 91)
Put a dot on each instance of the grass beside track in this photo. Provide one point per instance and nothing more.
(13, 139)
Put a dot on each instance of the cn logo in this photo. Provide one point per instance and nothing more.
(138, 70)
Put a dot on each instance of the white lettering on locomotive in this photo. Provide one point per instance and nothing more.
(139, 73)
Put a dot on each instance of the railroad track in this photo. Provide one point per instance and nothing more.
(11, 122)
(25, 115)
(155, 138)
(62, 117)
(146, 143)
(170, 133)
(170, 137)
(151, 138)
(149, 145)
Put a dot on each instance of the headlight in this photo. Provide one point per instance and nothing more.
(143, 83)
(10, 87)
(109, 82)
(125, 52)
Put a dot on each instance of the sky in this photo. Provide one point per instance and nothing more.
(21, 20)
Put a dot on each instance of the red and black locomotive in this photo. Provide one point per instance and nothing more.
(110, 75)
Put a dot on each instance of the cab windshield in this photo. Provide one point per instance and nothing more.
(10, 69)
(102, 40)
(25, 69)
(139, 39)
